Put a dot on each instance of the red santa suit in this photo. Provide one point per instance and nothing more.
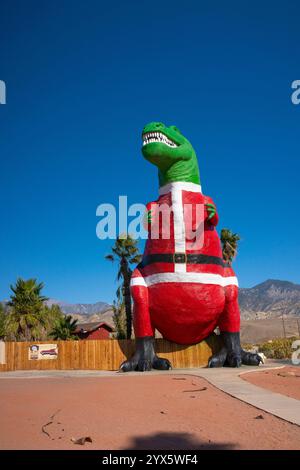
(181, 287)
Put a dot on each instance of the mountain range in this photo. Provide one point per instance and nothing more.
(270, 299)
(80, 309)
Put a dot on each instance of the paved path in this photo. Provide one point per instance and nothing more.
(226, 379)
(230, 382)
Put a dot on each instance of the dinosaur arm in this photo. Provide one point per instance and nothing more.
(147, 217)
(211, 211)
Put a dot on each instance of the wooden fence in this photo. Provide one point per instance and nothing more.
(104, 354)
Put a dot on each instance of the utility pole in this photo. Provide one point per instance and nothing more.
(284, 332)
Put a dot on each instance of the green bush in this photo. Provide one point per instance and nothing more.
(280, 348)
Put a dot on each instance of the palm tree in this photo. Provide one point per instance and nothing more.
(25, 319)
(119, 319)
(52, 315)
(64, 329)
(126, 251)
(229, 242)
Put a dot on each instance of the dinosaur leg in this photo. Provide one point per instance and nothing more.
(232, 354)
(144, 357)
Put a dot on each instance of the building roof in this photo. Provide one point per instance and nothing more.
(90, 327)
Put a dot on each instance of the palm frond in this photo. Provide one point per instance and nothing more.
(229, 242)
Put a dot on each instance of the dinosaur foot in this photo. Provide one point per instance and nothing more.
(144, 358)
(232, 355)
(143, 365)
(225, 358)
(251, 359)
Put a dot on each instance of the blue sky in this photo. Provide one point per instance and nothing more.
(83, 77)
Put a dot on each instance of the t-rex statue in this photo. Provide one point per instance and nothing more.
(182, 287)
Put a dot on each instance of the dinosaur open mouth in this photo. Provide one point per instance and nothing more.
(150, 137)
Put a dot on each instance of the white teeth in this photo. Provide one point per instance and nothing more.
(150, 137)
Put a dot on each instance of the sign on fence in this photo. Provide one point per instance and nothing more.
(42, 351)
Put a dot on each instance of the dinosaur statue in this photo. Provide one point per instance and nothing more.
(182, 286)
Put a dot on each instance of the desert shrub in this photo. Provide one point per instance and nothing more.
(249, 347)
(278, 348)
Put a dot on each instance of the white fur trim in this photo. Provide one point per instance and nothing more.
(182, 277)
(179, 226)
(138, 281)
(180, 186)
(230, 281)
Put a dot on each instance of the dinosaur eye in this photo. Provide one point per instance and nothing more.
(175, 129)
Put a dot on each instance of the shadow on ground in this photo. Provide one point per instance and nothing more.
(175, 441)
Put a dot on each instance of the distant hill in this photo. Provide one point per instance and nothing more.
(80, 309)
(86, 313)
(259, 331)
(270, 299)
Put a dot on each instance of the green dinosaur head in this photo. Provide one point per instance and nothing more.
(171, 152)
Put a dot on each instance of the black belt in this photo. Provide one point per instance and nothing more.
(180, 258)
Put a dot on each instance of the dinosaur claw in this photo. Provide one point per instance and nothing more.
(251, 359)
(234, 361)
(144, 365)
(127, 366)
(161, 364)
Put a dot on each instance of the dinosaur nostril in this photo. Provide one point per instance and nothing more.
(153, 125)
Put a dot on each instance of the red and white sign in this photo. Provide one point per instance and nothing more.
(42, 351)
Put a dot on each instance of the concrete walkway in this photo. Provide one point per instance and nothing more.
(226, 379)
(230, 382)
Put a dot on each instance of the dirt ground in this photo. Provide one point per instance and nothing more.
(259, 331)
(285, 381)
(134, 412)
